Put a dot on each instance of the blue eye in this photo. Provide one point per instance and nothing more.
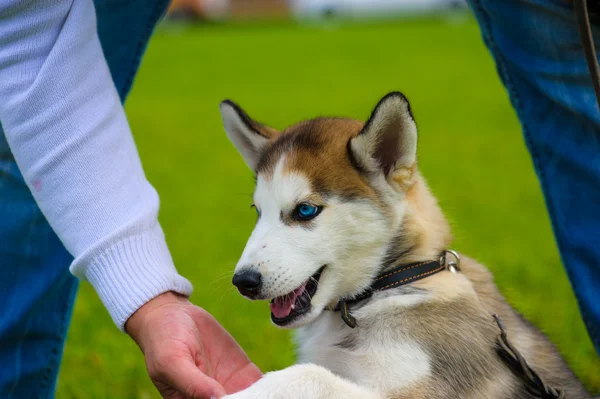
(306, 211)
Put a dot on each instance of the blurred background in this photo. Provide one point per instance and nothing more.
(288, 60)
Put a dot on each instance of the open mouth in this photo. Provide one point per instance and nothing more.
(286, 308)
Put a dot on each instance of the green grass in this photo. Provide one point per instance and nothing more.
(471, 151)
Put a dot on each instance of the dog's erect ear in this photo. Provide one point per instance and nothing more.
(248, 136)
(388, 141)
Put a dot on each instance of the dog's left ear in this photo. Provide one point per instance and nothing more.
(249, 136)
(388, 141)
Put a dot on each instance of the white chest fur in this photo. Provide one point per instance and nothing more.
(370, 355)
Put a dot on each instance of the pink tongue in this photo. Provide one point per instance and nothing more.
(282, 305)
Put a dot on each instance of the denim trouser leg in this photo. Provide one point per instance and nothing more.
(537, 50)
(37, 291)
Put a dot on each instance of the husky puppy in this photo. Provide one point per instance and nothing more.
(340, 202)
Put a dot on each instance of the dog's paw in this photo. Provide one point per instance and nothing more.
(245, 394)
(303, 381)
(297, 381)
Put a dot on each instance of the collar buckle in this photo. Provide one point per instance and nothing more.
(452, 265)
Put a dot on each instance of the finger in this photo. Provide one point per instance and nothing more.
(187, 379)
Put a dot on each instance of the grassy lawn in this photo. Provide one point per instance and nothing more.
(471, 151)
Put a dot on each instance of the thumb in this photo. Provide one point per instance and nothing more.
(188, 380)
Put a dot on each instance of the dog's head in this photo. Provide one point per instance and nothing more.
(338, 201)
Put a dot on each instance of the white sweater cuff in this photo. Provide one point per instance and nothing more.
(131, 272)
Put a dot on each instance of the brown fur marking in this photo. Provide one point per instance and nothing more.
(318, 149)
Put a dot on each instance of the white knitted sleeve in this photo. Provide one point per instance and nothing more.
(68, 132)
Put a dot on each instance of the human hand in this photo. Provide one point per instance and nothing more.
(188, 353)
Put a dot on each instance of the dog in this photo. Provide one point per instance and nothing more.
(339, 204)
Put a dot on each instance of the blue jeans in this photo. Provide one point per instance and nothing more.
(37, 292)
(540, 59)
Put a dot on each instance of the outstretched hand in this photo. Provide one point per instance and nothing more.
(188, 353)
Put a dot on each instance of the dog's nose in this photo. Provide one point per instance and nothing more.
(247, 282)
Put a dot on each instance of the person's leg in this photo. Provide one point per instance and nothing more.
(37, 291)
(125, 27)
(540, 59)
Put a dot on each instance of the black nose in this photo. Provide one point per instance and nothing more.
(247, 282)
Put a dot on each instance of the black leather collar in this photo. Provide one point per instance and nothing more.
(398, 277)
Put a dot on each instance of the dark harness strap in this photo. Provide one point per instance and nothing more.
(587, 40)
(534, 384)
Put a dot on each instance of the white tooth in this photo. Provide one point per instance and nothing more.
(293, 307)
